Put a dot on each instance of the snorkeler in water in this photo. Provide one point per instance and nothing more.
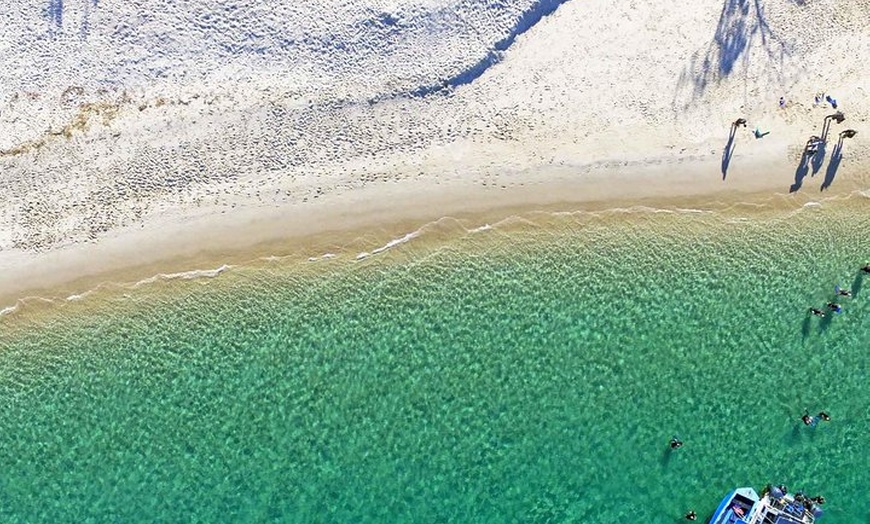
(809, 420)
(817, 312)
(824, 416)
(843, 292)
(676, 443)
(866, 268)
(835, 307)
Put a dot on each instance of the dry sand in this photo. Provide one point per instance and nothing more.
(599, 105)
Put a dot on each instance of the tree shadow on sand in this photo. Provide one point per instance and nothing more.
(741, 22)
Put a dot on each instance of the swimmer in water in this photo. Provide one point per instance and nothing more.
(824, 416)
(691, 515)
(817, 312)
(676, 443)
(808, 420)
(835, 307)
(818, 500)
(866, 268)
(844, 293)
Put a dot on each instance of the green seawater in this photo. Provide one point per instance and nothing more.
(533, 372)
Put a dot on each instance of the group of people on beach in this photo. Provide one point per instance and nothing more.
(814, 146)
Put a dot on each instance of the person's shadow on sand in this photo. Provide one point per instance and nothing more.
(833, 165)
(728, 151)
(818, 157)
(800, 173)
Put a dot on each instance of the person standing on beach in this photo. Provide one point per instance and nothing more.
(740, 122)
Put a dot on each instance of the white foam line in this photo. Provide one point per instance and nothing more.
(325, 256)
(8, 310)
(694, 211)
(485, 227)
(79, 296)
(391, 244)
(184, 275)
(396, 242)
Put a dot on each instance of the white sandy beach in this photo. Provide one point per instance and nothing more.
(135, 146)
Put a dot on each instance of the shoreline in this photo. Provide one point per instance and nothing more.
(172, 174)
(373, 217)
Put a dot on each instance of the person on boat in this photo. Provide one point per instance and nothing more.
(817, 312)
(843, 292)
(676, 443)
(824, 416)
(691, 515)
(809, 420)
(835, 307)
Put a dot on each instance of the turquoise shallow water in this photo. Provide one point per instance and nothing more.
(530, 373)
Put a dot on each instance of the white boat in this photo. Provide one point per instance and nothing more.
(774, 506)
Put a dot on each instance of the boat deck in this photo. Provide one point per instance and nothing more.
(785, 510)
